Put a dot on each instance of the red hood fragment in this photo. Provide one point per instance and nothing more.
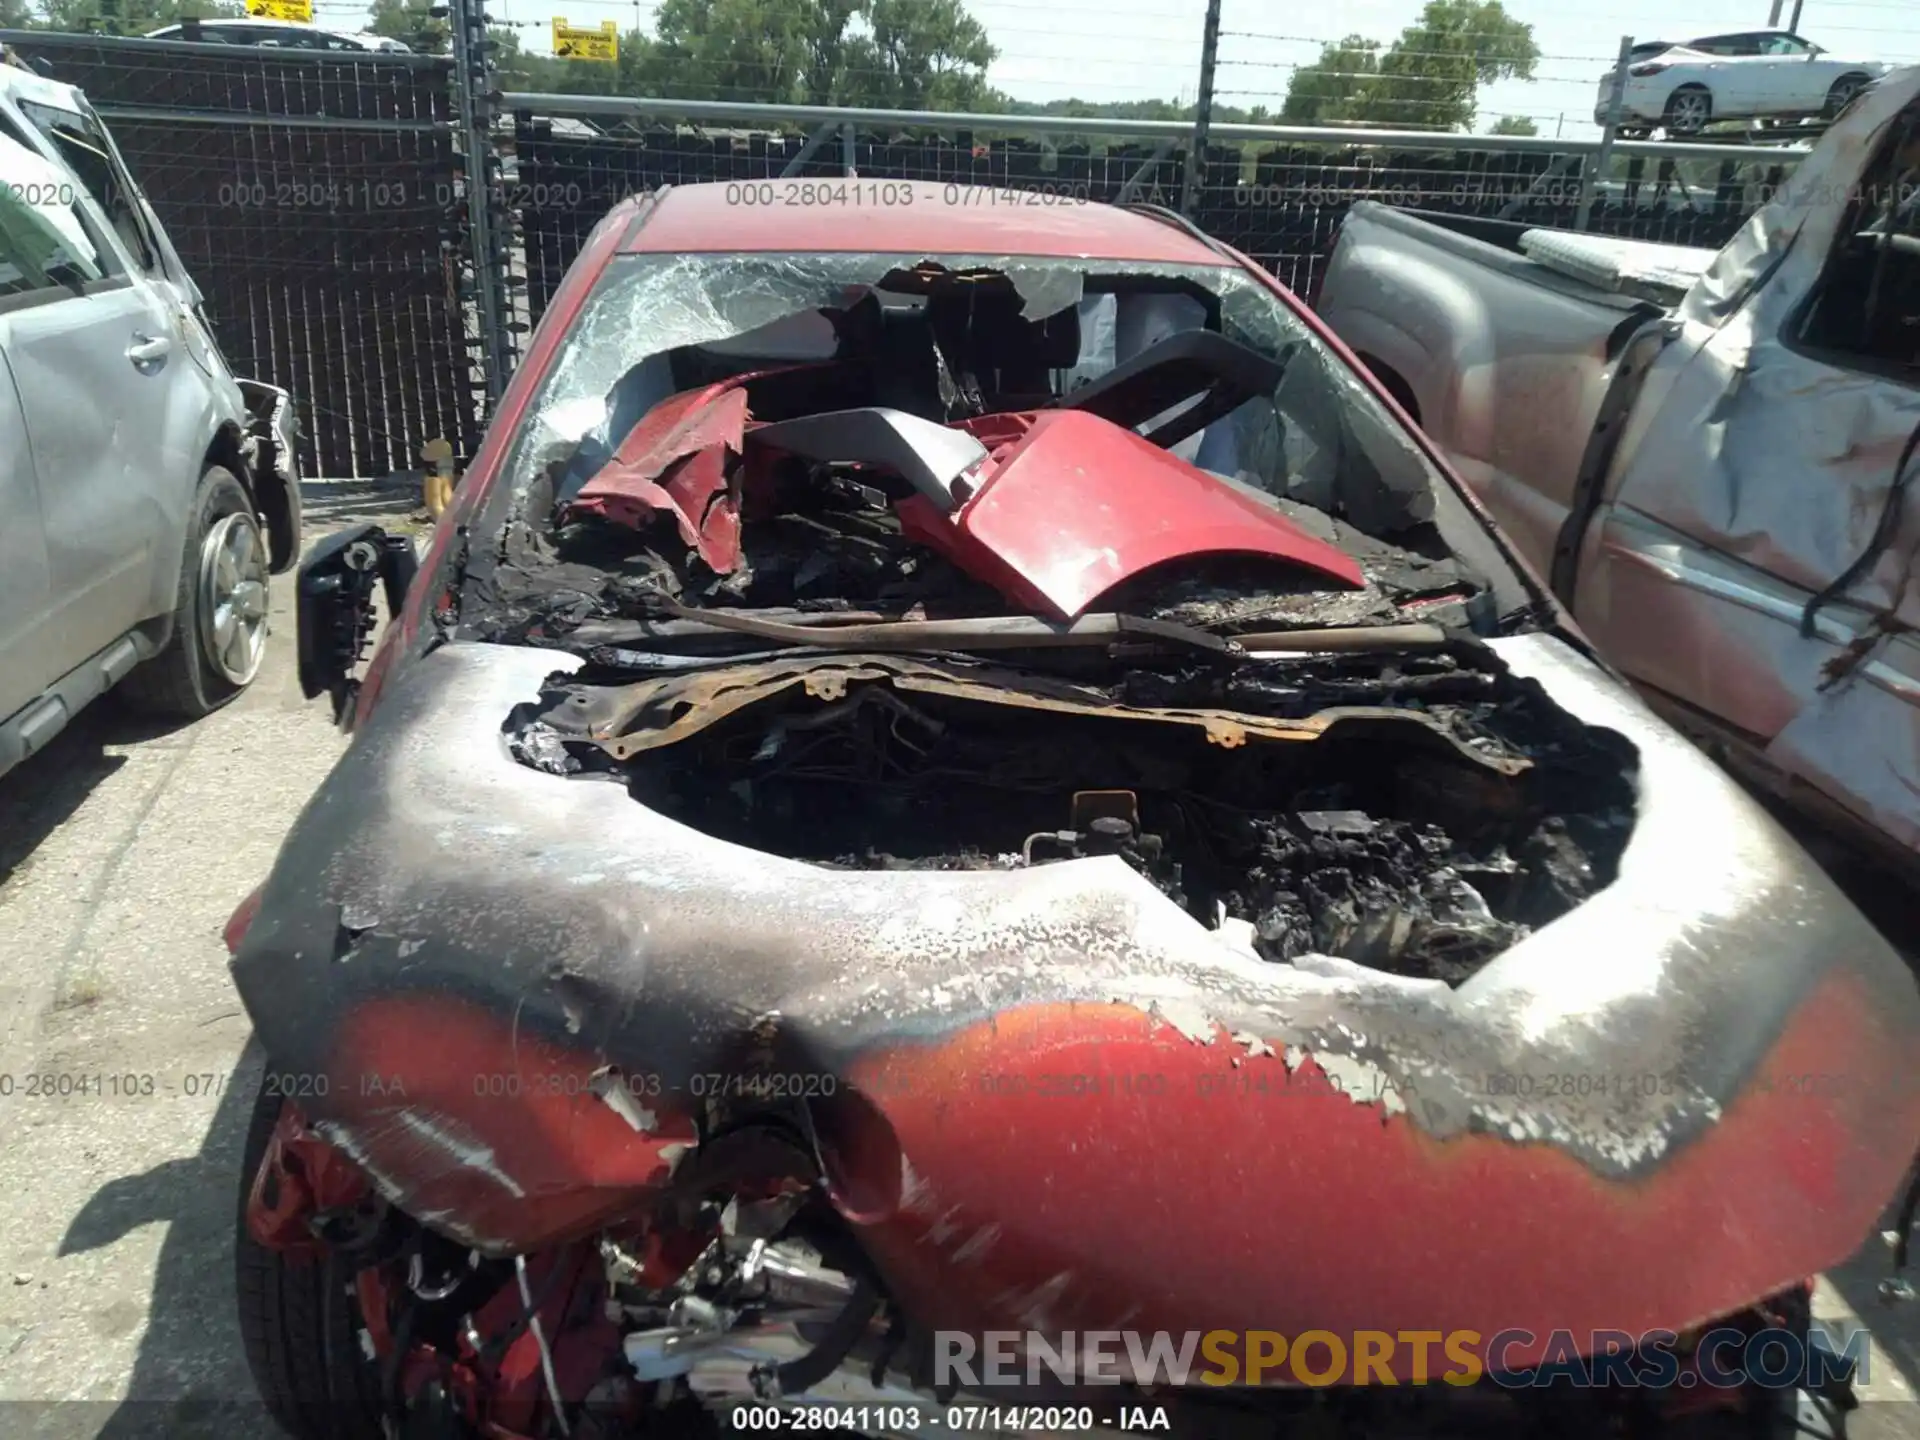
(675, 460)
(1065, 506)
(1069, 505)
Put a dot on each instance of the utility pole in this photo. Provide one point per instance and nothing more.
(1203, 110)
(1773, 20)
(1794, 24)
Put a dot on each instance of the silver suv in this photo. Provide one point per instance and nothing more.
(145, 493)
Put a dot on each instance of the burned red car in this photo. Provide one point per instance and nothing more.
(957, 769)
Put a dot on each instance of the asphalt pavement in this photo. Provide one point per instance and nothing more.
(126, 1072)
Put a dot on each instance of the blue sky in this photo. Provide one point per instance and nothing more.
(1139, 49)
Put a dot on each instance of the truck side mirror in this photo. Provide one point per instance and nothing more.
(335, 600)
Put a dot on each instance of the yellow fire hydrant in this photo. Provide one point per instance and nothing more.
(438, 485)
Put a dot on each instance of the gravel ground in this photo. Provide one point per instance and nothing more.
(123, 850)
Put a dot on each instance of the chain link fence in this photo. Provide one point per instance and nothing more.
(320, 199)
(1276, 193)
(316, 199)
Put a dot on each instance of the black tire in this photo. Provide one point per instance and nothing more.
(180, 681)
(1842, 93)
(299, 1323)
(1693, 124)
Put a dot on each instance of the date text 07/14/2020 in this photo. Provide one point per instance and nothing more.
(955, 1419)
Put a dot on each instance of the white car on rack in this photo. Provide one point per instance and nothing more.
(277, 34)
(1748, 75)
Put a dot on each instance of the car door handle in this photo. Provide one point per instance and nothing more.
(149, 349)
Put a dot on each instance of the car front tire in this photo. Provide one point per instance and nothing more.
(299, 1324)
(220, 613)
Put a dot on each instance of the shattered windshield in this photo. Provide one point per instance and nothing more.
(918, 437)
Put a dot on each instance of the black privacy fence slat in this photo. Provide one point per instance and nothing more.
(314, 198)
(245, 79)
(1280, 205)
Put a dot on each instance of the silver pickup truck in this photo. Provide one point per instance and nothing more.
(1708, 456)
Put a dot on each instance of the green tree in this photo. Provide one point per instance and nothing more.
(913, 54)
(1328, 91)
(1427, 79)
(1513, 125)
(16, 15)
(732, 49)
(412, 23)
(916, 55)
(125, 17)
(520, 68)
(1431, 75)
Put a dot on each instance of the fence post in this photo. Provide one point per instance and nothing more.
(488, 226)
(1591, 177)
(1203, 110)
(822, 133)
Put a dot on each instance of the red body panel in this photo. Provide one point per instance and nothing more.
(1037, 1171)
(917, 217)
(1022, 1204)
(522, 1146)
(299, 1176)
(675, 460)
(1077, 505)
(703, 220)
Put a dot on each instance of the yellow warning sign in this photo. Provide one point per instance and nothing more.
(572, 44)
(300, 11)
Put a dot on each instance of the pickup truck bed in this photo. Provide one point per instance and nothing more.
(1505, 370)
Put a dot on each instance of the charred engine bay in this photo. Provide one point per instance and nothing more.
(1444, 811)
(1414, 811)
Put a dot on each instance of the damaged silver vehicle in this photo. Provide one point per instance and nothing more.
(968, 773)
(1709, 455)
(146, 492)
